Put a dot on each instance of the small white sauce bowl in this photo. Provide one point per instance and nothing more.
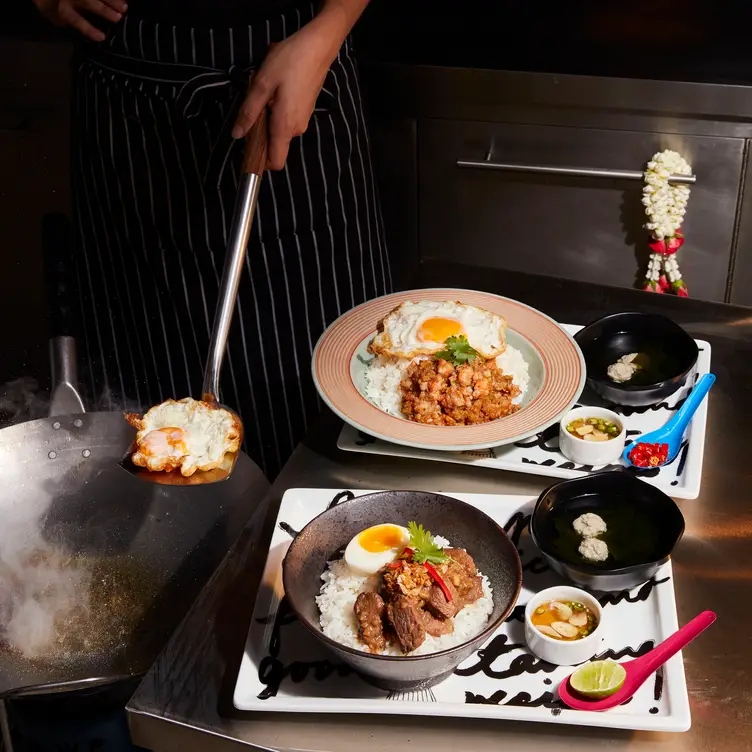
(591, 452)
(563, 652)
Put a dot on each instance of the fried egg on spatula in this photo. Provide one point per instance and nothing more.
(188, 435)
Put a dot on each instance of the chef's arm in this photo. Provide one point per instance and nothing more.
(292, 74)
(337, 17)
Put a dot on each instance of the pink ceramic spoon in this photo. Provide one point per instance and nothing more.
(641, 668)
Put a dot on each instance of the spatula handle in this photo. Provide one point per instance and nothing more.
(256, 143)
(677, 641)
(254, 162)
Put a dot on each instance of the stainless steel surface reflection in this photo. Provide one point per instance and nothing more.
(186, 699)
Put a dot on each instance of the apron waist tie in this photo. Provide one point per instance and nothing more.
(194, 84)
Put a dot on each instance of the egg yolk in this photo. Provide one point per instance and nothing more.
(161, 440)
(439, 330)
(381, 538)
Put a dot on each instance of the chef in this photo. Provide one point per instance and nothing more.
(160, 106)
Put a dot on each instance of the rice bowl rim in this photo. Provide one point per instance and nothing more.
(482, 636)
(563, 380)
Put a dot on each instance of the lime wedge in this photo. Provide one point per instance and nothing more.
(598, 679)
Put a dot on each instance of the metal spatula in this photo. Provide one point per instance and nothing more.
(254, 161)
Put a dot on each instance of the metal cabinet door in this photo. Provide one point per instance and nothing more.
(584, 228)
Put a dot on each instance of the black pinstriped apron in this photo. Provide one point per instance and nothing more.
(155, 177)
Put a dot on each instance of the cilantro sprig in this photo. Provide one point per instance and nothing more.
(458, 351)
(423, 546)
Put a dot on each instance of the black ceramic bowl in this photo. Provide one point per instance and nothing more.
(671, 351)
(322, 540)
(644, 526)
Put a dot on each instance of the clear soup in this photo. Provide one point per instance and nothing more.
(564, 620)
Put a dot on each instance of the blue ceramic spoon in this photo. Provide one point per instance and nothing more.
(672, 432)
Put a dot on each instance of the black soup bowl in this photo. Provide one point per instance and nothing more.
(644, 526)
(326, 536)
(669, 351)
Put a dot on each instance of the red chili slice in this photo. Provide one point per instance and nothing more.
(649, 455)
(436, 577)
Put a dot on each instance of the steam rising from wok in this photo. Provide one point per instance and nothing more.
(55, 604)
(22, 399)
(41, 590)
(57, 607)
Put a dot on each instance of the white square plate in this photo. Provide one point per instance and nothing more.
(540, 455)
(285, 669)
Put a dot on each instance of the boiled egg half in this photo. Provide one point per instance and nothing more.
(375, 547)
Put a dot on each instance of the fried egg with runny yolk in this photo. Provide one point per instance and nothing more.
(375, 547)
(186, 435)
(423, 327)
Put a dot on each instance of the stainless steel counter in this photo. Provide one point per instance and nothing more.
(185, 702)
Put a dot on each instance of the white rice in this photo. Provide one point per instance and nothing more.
(514, 364)
(383, 376)
(341, 587)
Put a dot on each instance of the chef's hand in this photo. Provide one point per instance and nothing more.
(292, 74)
(288, 82)
(68, 13)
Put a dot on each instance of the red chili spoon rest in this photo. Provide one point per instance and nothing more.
(641, 668)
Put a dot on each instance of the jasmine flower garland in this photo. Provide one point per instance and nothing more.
(665, 206)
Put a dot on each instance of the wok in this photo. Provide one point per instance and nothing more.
(61, 484)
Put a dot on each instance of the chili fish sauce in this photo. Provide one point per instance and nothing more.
(648, 455)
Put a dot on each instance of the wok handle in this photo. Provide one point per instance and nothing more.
(59, 274)
(63, 361)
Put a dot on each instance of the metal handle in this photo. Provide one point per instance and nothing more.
(254, 162)
(582, 172)
(60, 278)
(63, 360)
(65, 397)
(245, 206)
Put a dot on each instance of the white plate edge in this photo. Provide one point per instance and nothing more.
(450, 448)
(679, 721)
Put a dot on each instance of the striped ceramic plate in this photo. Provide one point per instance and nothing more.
(555, 365)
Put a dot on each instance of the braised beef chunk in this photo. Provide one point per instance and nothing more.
(474, 592)
(439, 606)
(462, 557)
(437, 627)
(455, 574)
(369, 611)
(408, 579)
(410, 603)
(463, 587)
(404, 615)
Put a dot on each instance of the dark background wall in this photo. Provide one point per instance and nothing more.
(421, 122)
(34, 174)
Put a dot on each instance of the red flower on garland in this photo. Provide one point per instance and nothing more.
(667, 248)
(680, 288)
